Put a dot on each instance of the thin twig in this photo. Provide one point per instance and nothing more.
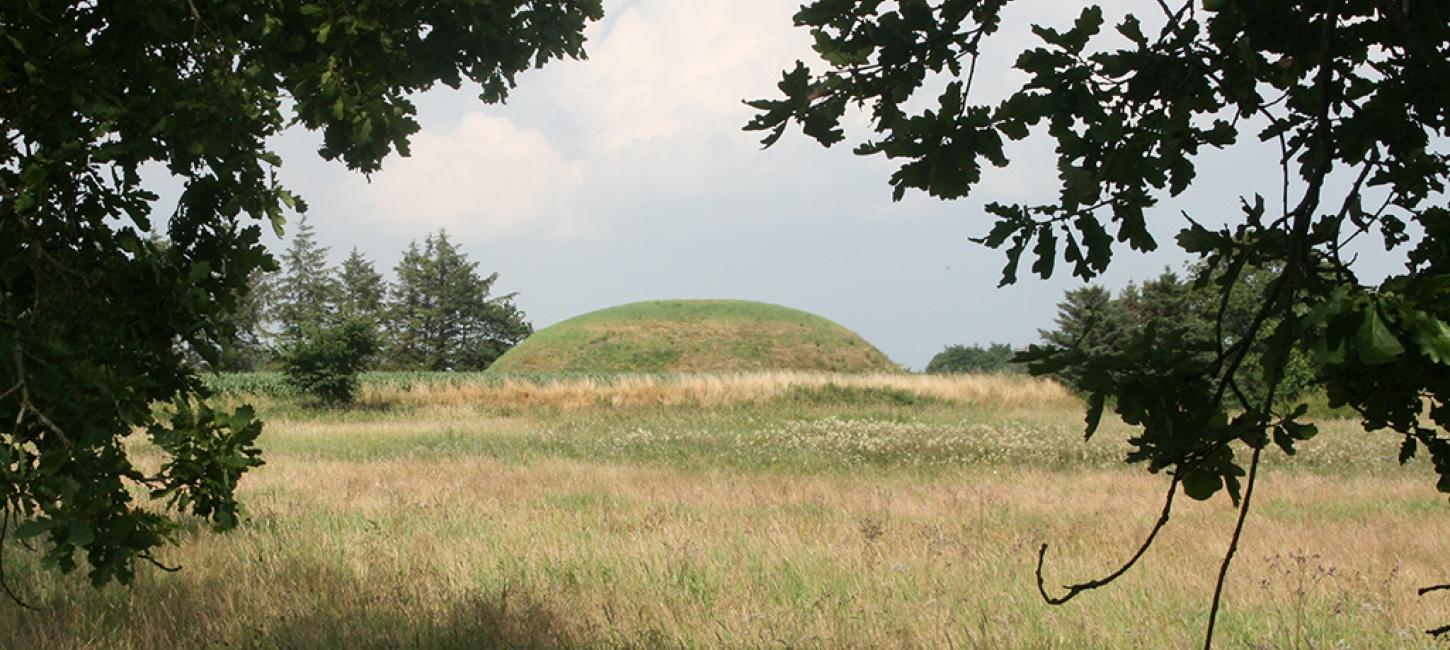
(1349, 203)
(158, 564)
(1074, 590)
(1299, 236)
(971, 76)
(1360, 229)
(49, 424)
(1233, 547)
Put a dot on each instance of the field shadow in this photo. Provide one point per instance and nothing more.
(502, 620)
(290, 604)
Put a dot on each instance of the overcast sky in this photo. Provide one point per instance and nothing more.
(627, 177)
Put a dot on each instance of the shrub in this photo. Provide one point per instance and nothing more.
(324, 362)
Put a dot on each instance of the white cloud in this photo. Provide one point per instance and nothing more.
(653, 118)
(485, 177)
(655, 113)
(663, 68)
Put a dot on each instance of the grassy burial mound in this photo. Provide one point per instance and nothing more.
(693, 336)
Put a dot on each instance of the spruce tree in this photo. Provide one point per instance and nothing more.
(409, 312)
(362, 290)
(1087, 321)
(1169, 311)
(502, 326)
(306, 292)
(442, 316)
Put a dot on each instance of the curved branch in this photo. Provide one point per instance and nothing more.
(151, 559)
(1075, 589)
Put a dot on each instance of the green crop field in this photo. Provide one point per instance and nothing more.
(754, 510)
(693, 336)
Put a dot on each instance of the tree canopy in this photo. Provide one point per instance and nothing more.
(995, 358)
(96, 321)
(1353, 87)
(439, 314)
(442, 316)
(363, 290)
(323, 362)
(307, 293)
(1092, 323)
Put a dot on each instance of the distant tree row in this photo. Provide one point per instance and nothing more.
(1091, 321)
(996, 358)
(438, 313)
(1169, 310)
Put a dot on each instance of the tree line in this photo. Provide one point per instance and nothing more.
(1091, 320)
(438, 313)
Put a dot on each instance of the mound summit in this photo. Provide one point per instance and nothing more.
(664, 336)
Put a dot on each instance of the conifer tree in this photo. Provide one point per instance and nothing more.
(362, 290)
(307, 291)
(409, 313)
(442, 316)
(1088, 322)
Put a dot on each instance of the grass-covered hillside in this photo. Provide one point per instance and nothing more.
(693, 336)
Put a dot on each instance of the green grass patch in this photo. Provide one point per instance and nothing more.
(693, 336)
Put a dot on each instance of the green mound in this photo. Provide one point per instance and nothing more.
(693, 336)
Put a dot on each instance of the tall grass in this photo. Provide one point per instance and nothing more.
(587, 391)
(789, 510)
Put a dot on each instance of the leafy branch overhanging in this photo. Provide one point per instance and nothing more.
(1347, 91)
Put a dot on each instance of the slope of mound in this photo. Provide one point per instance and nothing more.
(693, 336)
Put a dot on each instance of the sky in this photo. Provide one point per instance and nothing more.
(627, 177)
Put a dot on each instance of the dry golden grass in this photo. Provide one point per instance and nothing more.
(702, 513)
(564, 553)
(1004, 391)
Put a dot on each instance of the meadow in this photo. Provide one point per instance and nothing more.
(752, 510)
